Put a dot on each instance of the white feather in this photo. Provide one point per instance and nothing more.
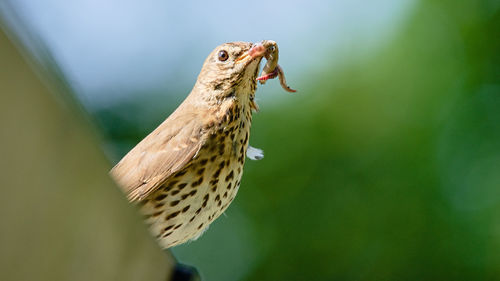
(254, 153)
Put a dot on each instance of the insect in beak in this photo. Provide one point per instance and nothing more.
(269, 50)
(272, 69)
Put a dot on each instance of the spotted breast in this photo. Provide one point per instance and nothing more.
(184, 206)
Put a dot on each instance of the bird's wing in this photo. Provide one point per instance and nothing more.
(167, 150)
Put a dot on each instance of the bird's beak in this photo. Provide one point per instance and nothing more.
(256, 51)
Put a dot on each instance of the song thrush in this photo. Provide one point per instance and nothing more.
(185, 173)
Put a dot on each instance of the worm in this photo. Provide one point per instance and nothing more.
(272, 69)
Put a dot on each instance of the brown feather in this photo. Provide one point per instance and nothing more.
(165, 151)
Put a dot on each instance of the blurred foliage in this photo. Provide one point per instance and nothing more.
(386, 168)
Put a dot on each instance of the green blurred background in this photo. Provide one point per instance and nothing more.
(384, 166)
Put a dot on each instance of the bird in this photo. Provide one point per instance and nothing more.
(187, 171)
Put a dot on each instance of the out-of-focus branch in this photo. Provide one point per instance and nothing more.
(62, 216)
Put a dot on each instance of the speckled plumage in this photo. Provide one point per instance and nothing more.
(188, 170)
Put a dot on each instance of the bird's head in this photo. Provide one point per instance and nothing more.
(232, 67)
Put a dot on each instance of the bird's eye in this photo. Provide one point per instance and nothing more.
(223, 56)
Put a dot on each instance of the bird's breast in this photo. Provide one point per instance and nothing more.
(189, 201)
